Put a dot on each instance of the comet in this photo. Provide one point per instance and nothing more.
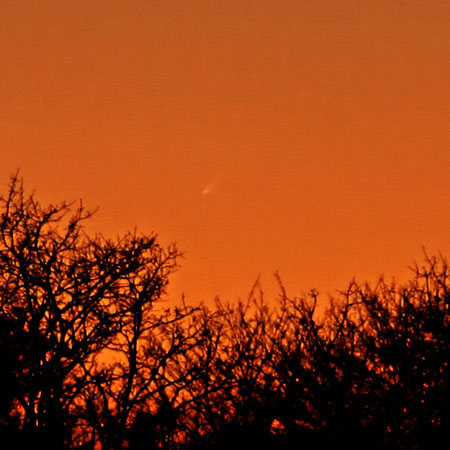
(209, 188)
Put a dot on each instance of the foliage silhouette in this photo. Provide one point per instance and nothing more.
(93, 359)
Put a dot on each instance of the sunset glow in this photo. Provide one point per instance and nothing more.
(310, 138)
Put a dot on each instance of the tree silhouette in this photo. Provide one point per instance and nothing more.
(71, 304)
(371, 372)
(93, 359)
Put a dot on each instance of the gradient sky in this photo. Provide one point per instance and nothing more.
(310, 137)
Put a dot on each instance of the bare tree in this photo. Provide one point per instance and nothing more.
(70, 300)
(93, 359)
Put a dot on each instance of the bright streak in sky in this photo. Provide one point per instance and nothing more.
(209, 188)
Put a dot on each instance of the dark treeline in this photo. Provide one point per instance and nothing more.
(92, 357)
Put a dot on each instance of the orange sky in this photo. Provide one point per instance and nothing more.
(309, 137)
